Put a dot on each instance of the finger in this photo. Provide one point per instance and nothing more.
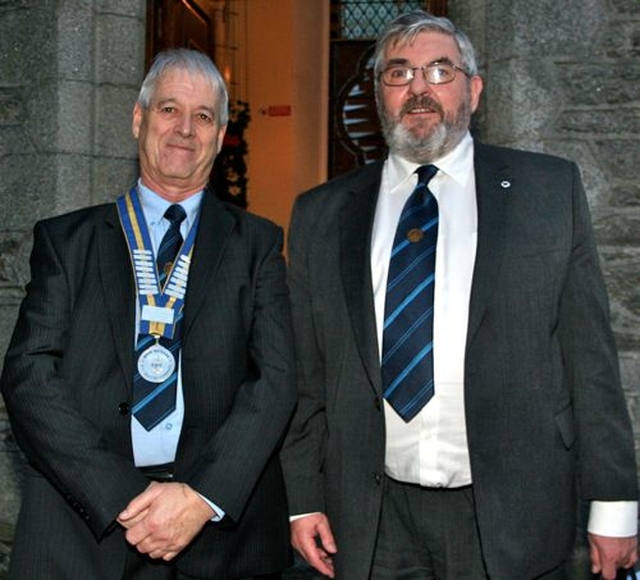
(327, 560)
(137, 534)
(141, 502)
(320, 559)
(156, 554)
(134, 520)
(136, 539)
(327, 539)
(631, 560)
(322, 565)
(608, 568)
(313, 555)
(609, 572)
(595, 560)
(165, 555)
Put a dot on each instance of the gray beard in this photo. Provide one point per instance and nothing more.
(428, 148)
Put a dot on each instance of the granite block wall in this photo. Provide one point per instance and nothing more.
(561, 77)
(68, 70)
(564, 78)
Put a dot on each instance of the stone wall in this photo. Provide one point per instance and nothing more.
(564, 78)
(561, 77)
(68, 71)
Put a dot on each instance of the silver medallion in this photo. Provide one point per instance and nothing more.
(156, 364)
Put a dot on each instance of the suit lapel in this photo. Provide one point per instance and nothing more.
(355, 265)
(118, 287)
(494, 185)
(216, 224)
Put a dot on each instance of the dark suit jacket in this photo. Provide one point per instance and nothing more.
(67, 385)
(545, 411)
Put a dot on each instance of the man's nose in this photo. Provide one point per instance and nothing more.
(185, 125)
(418, 84)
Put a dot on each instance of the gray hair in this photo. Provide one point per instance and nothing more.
(407, 26)
(195, 63)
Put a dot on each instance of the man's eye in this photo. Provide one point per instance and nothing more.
(398, 73)
(205, 118)
(441, 73)
(167, 109)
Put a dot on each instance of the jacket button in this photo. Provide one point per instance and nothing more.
(123, 408)
(377, 403)
(378, 478)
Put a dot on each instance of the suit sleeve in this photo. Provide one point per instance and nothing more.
(303, 452)
(234, 459)
(605, 445)
(56, 438)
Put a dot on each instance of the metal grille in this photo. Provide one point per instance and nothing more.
(359, 19)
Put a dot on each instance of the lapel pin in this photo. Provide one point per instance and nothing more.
(505, 184)
(414, 235)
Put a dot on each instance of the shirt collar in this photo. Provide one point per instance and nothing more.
(154, 206)
(457, 164)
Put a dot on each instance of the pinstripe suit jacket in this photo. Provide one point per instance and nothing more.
(545, 412)
(67, 386)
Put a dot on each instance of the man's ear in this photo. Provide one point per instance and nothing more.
(136, 120)
(476, 91)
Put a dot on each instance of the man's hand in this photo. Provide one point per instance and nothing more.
(305, 532)
(608, 555)
(164, 518)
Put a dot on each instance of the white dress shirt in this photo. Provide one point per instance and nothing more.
(431, 450)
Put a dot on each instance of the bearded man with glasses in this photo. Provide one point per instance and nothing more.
(459, 392)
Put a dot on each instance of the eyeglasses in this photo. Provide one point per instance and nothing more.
(434, 73)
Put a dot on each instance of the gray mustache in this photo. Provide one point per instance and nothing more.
(424, 102)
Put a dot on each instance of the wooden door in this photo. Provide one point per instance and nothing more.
(191, 24)
(179, 23)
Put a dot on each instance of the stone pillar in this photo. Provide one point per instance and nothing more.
(69, 74)
(564, 78)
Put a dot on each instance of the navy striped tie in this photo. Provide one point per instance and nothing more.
(407, 343)
(171, 241)
(152, 402)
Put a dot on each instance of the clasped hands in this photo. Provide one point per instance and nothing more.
(164, 518)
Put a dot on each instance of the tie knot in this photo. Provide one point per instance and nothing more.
(175, 214)
(426, 173)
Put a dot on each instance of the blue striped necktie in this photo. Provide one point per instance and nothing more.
(171, 241)
(153, 402)
(407, 343)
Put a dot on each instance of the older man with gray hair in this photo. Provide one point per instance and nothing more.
(149, 378)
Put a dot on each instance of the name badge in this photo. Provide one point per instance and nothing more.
(157, 314)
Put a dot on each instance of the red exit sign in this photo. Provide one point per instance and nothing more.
(278, 110)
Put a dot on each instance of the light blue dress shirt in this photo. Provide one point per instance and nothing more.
(159, 446)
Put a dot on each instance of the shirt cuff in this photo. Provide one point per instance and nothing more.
(219, 513)
(299, 516)
(613, 519)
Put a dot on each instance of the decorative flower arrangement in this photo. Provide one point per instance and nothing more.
(229, 175)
